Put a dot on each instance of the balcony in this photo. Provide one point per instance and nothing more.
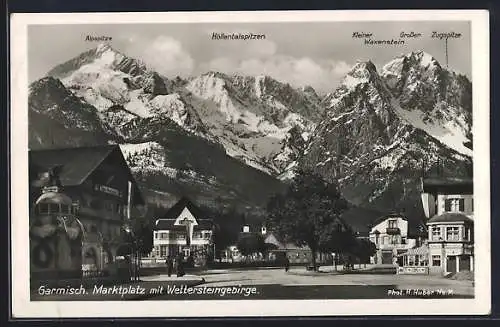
(393, 231)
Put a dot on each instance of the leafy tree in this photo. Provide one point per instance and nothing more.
(369, 249)
(308, 213)
(226, 230)
(363, 250)
(141, 235)
(251, 243)
(340, 241)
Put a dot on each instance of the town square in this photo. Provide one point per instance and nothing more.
(231, 165)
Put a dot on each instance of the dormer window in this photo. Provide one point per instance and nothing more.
(454, 205)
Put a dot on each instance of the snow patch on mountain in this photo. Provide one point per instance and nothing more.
(450, 132)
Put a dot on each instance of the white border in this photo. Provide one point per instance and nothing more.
(23, 308)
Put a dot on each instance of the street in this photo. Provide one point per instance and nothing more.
(299, 284)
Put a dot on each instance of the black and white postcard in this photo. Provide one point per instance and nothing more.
(250, 164)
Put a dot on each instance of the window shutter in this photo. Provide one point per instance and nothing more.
(447, 205)
(461, 204)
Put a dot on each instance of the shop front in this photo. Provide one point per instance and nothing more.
(415, 261)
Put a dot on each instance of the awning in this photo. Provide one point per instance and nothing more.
(421, 251)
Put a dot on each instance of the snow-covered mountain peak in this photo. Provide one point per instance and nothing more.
(417, 61)
(361, 72)
(103, 47)
(101, 57)
(423, 58)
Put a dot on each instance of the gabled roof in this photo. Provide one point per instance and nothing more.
(77, 163)
(385, 217)
(184, 202)
(282, 243)
(168, 224)
(416, 227)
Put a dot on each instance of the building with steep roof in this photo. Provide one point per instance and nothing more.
(394, 234)
(449, 206)
(98, 188)
(184, 229)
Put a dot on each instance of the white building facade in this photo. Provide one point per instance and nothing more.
(183, 230)
(390, 236)
(448, 203)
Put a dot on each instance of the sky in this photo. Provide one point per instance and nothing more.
(303, 53)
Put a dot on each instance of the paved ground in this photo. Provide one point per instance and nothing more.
(272, 283)
(299, 284)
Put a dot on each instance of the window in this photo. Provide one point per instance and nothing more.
(53, 208)
(393, 223)
(452, 234)
(454, 205)
(436, 260)
(394, 239)
(435, 233)
(163, 250)
(403, 240)
(156, 234)
(65, 208)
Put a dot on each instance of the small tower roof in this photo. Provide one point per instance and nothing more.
(54, 198)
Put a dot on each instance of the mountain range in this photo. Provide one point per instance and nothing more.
(233, 141)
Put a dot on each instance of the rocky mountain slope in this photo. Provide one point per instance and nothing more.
(383, 131)
(237, 139)
(213, 128)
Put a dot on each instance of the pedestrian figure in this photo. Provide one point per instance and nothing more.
(287, 264)
(190, 261)
(180, 266)
(170, 265)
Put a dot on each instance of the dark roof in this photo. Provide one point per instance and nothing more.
(168, 224)
(283, 243)
(77, 163)
(458, 184)
(450, 217)
(184, 202)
